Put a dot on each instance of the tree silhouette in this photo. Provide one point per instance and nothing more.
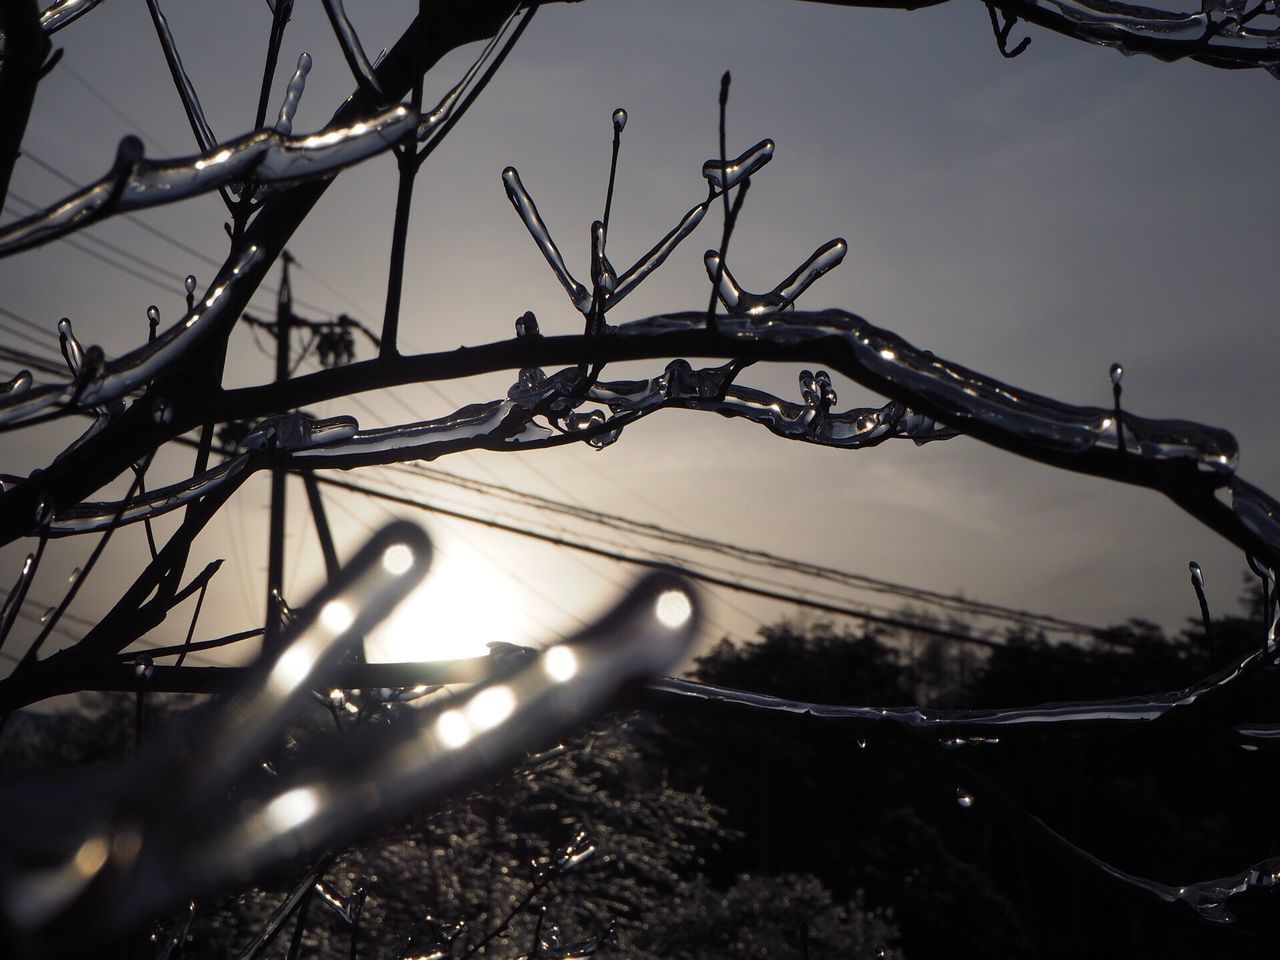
(99, 861)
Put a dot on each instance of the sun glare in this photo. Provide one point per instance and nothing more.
(463, 604)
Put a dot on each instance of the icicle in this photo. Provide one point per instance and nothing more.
(352, 49)
(528, 211)
(650, 262)
(293, 92)
(186, 89)
(72, 351)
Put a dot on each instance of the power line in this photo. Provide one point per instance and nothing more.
(66, 68)
(986, 641)
(734, 551)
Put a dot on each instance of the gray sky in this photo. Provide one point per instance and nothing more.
(1034, 219)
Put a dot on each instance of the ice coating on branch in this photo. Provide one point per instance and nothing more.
(732, 172)
(650, 262)
(603, 277)
(135, 369)
(1100, 714)
(1259, 513)
(352, 49)
(88, 517)
(493, 425)
(1007, 416)
(528, 212)
(737, 300)
(292, 94)
(72, 351)
(186, 89)
(62, 12)
(17, 595)
(442, 111)
(19, 383)
(266, 156)
(1109, 20)
(681, 386)
(478, 730)
(512, 423)
(297, 431)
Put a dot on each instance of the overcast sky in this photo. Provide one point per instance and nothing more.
(1034, 219)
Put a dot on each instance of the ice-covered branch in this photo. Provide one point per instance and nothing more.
(180, 838)
(204, 135)
(1185, 460)
(608, 286)
(54, 17)
(1221, 34)
(264, 156)
(113, 379)
(352, 49)
(959, 728)
(89, 517)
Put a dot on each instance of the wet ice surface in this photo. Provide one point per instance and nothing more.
(264, 156)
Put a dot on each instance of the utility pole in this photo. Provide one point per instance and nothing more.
(275, 544)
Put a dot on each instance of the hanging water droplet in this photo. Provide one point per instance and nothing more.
(880, 952)
(143, 668)
(162, 411)
(964, 798)
(44, 617)
(1117, 374)
(71, 577)
(190, 284)
(619, 119)
(1197, 578)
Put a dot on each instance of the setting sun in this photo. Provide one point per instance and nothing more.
(464, 604)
